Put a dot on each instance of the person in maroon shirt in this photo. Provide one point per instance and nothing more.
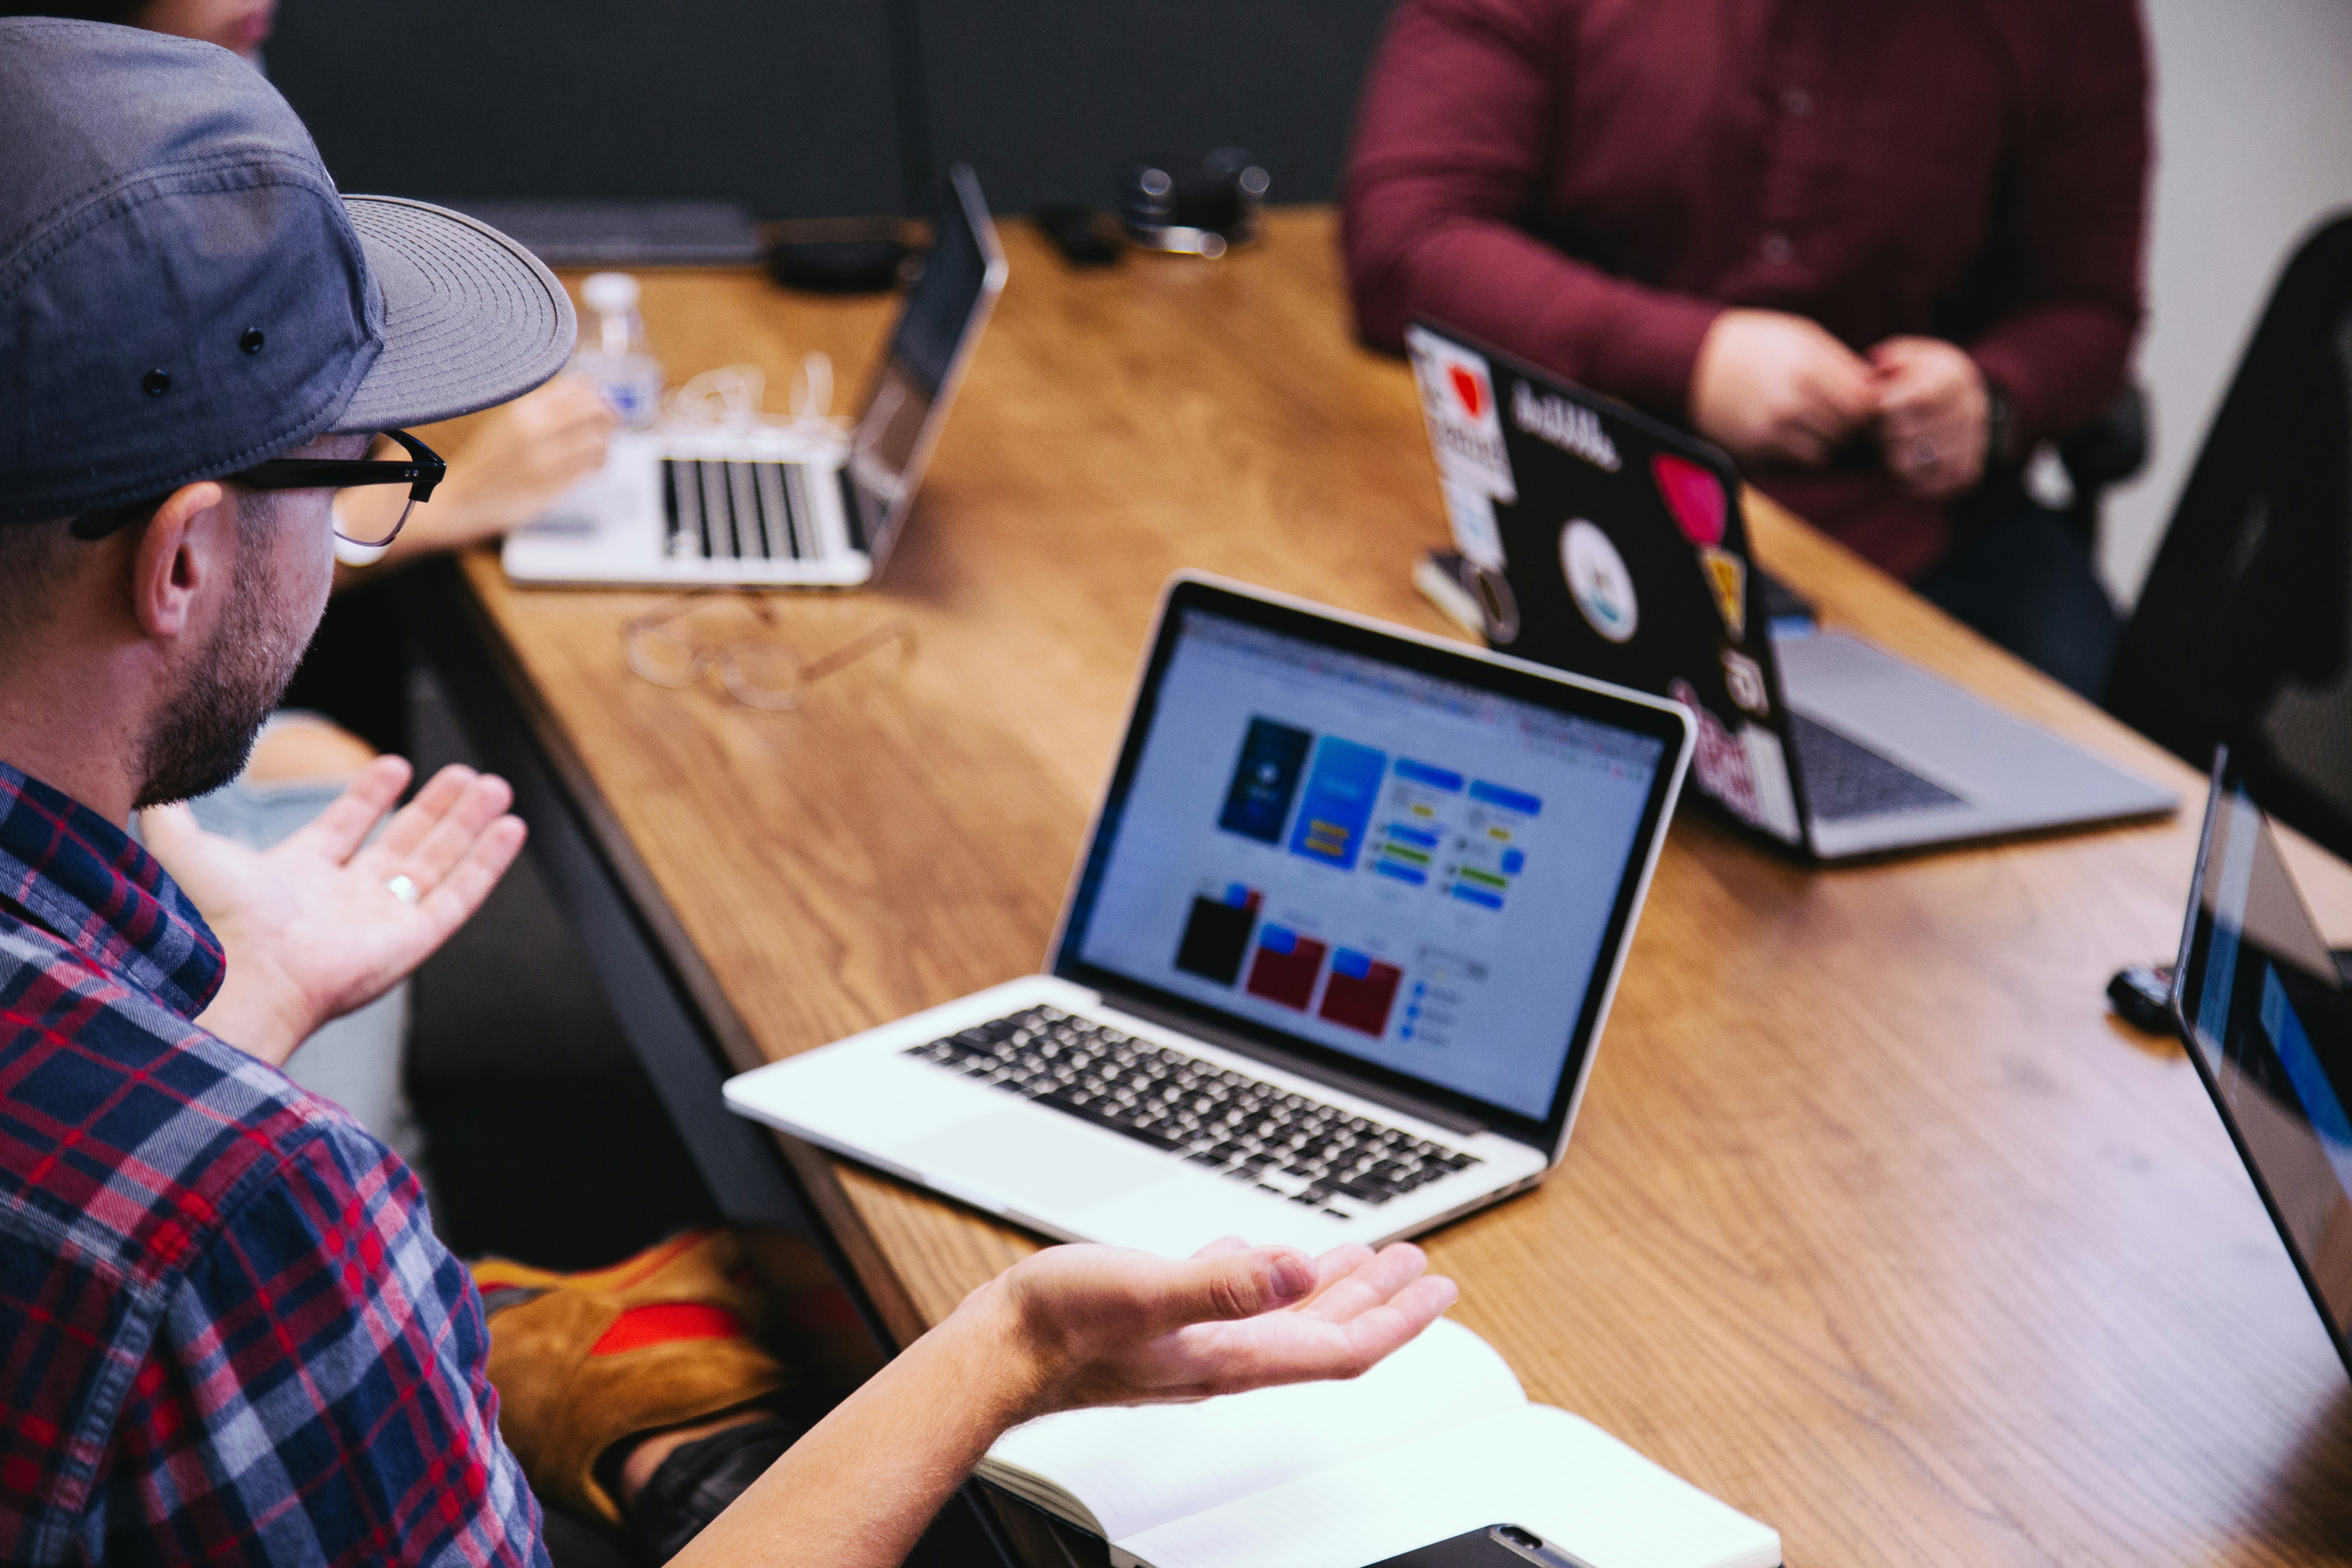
(1876, 251)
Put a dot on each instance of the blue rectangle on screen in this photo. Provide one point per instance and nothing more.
(1342, 787)
(1351, 963)
(1470, 895)
(1514, 862)
(1419, 836)
(1265, 775)
(1509, 799)
(1278, 939)
(1401, 873)
(1422, 773)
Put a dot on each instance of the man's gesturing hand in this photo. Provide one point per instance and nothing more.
(1071, 1326)
(1101, 1325)
(1773, 387)
(312, 927)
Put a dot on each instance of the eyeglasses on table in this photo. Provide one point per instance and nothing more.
(760, 671)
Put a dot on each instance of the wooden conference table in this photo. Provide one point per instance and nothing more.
(1875, 1224)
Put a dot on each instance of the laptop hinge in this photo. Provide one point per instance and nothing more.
(1273, 1056)
(852, 519)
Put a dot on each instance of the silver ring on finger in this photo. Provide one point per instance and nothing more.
(404, 889)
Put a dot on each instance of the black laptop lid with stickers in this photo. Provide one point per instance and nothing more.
(1608, 544)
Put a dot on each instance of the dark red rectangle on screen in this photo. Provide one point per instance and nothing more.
(1286, 967)
(1362, 1001)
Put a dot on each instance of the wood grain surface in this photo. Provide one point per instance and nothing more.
(1875, 1224)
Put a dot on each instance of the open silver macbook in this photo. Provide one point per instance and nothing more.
(779, 504)
(1332, 967)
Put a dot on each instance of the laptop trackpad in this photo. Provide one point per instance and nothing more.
(1034, 1160)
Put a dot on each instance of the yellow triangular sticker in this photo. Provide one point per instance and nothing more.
(1727, 575)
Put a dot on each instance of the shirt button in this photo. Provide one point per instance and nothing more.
(1796, 102)
(1779, 249)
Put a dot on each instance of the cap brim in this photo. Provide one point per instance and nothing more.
(470, 318)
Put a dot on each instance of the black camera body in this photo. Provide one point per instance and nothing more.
(1193, 209)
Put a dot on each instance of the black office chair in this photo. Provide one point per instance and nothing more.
(2104, 453)
(2240, 634)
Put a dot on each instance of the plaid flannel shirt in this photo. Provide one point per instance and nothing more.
(227, 1333)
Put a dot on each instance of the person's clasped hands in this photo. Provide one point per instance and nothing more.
(1774, 387)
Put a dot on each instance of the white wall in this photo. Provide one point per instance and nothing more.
(2253, 142)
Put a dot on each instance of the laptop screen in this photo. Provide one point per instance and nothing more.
(2271, 1027)
(963, 273)
(1408, 871)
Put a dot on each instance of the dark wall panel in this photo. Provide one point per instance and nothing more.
(784, 108)
(790, 108)
(1047, 98)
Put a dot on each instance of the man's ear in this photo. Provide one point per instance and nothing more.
(190, 541)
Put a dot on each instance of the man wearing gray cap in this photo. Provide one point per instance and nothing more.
(227, 1331)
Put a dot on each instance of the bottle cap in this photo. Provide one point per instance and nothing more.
(610, 292)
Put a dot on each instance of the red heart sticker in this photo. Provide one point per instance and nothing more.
(1693, 494)
(1466, 388)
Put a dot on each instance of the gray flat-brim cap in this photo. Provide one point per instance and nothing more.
(184, 293)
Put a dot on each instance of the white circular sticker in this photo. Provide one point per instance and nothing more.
(1598, 581)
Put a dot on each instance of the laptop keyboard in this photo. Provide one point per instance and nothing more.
(1288, 1144)
(1846, 779)
(728, 510)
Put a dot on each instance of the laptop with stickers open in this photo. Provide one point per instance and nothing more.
(1610, 544)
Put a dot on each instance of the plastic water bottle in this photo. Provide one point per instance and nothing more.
(612, 350)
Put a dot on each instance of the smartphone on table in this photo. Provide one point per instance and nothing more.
(1497, 1546)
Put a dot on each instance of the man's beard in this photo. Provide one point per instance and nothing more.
(201, 739)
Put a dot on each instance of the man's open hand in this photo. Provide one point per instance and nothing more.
(312, 927)
(1102, 1325)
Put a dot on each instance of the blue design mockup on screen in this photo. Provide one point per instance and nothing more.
(1407, 869)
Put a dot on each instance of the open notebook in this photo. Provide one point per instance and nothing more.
(1437, 1440)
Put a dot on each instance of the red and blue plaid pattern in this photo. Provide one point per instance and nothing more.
(227, 1333)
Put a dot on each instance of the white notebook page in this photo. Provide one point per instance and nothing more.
(1135, 1466)
(1556, 1474)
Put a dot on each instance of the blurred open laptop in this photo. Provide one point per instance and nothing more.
(784, 504)
(1331, 968)
(1613, 546)
(2262, 1005)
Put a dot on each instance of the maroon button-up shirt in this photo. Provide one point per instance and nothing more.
(1588, 182)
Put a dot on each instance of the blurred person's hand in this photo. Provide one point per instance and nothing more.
(517, 460)
(1935, 418)
(314, 926)
(1773, 387)
(241, 27)
(524, 457)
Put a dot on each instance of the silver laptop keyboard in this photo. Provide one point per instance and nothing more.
(728, 510)
(1846, 779)
(1288, 1144)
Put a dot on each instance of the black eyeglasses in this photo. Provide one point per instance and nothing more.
(422, 471)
